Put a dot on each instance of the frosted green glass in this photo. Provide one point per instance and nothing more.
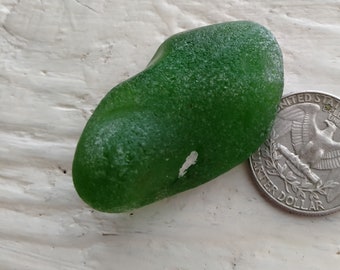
(210, 93)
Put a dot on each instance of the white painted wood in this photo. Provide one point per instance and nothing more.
(59, 58)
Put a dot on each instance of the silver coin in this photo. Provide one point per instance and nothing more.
(298, 167)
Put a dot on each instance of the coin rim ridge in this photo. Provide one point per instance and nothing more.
(269, 196)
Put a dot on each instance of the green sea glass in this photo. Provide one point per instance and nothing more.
(205, 102)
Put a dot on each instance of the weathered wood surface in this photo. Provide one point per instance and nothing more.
(59, 58)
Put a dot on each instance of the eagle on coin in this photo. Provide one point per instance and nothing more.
(314, 146)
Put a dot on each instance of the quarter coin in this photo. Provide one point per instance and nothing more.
(298, 167)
